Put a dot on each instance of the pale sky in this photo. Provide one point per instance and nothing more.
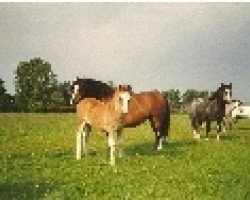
(148, 45)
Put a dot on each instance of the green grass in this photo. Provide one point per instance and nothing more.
(38, 161)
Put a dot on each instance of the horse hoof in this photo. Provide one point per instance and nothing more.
(78, 158)
(159, 148)
(197, 136)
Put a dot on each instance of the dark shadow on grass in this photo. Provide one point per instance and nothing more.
(229, 136)
(24, 190)
(59, 153)
(245, 128)
(171, 149)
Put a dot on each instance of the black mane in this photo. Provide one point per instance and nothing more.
(94, 88)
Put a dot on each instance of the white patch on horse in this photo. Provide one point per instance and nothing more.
(76, 88)
(158, 134)
(125, 99)
(218, 137)
(112, 149)
(78, 145)
(110, 141)
(224, 129)
(227, 95)
(160, 144)
(196, 135)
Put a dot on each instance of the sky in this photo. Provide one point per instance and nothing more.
(147, 45)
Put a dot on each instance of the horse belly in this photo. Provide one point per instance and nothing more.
(134, 119)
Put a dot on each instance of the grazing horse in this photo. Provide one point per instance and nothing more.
(107, 116)
(210, 109)
(145, 105)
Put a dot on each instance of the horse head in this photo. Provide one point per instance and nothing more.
(123, 94)
(76, 93)
(226, 92)
(223, 93)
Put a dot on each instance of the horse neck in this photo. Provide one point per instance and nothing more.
(114, 104)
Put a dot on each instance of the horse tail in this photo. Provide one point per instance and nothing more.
(168, 115)
(166, 122)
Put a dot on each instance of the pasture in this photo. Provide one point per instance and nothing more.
(38, 161)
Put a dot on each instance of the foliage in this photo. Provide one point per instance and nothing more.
(38, 162)
(6, 100)
(34, 81)
(191, 94)
(64, 90)
(174, 96)
(37, 88)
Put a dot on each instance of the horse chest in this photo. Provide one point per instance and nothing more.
(108, 122)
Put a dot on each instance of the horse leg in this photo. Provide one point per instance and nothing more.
(78, 142)
(224, 123)
(164, 132)
(165, 124)
(112, 148)
(218, 129)
(195, 127)
(85, 137)
(160, 141)
(161, 135)
(155, 130)
(231, 124)
(208, 128)
(119, 143)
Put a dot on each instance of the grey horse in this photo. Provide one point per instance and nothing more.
(210, 109)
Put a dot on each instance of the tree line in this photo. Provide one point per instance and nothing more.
(38, 90)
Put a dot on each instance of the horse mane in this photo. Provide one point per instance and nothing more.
(95, 88)
(217, 95)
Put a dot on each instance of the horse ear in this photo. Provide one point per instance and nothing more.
(130, 88)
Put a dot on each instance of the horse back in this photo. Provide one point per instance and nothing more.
(143, 106)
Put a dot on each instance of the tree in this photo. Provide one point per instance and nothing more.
(189, 95)
(56, 100)
(64, 89)
(192, 94)
(6, 100)
(34, 84)
(174, 96)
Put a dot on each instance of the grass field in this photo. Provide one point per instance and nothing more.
(38, 161)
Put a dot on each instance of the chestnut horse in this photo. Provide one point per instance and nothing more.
(149, 105)
(106, 116)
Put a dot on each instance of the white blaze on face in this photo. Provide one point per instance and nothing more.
(76, 88)
(125, 100)
(227, 95)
